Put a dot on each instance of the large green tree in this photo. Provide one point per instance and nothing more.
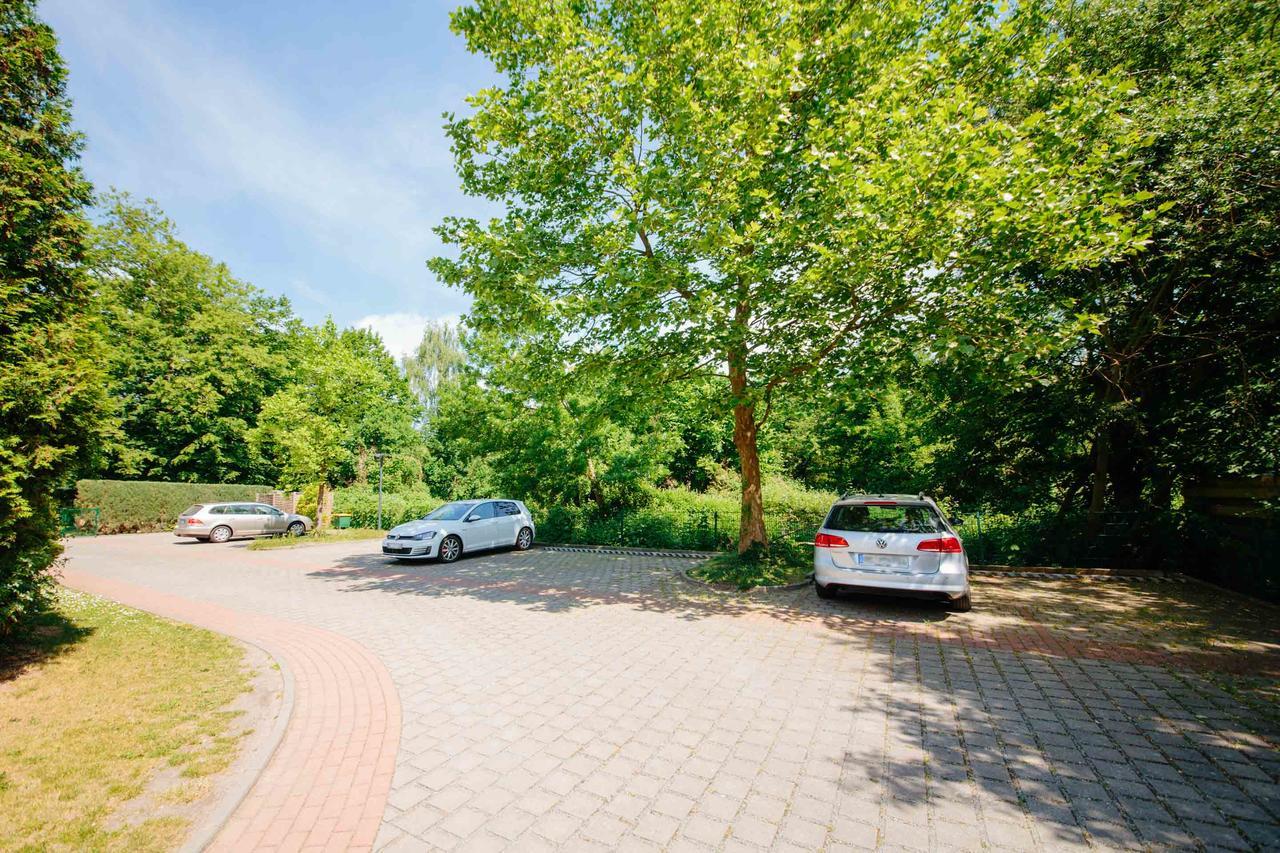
(346, 396)
(1182, 377)
(51, 400)
(437, 358)
(770, 189)
(191, 351)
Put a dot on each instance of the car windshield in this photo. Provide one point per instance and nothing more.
(861, 518)
(449, 512)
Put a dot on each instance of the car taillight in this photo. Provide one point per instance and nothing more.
(826, 540)
(193, 521)
(945, 545)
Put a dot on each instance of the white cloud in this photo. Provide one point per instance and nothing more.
(401, 332)
(313, 294)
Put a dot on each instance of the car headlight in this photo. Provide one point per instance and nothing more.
(430, 534)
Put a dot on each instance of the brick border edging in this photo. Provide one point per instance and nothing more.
(203, 834)
(327, 782)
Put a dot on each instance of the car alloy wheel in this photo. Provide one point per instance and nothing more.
(525, 539)
(220, 534)
(450, 549)
(297, 528)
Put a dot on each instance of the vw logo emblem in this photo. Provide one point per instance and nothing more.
(882, 543)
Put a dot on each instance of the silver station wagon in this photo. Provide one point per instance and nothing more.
(220, 522)
(892, 545)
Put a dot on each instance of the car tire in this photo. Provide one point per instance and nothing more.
(220, 534)
(824, 591)
(524, 539)
(450, 549)
(297, 528)
(963, 604)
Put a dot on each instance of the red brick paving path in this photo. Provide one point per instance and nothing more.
(326, 786)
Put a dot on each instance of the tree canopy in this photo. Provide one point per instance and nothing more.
(765, 190)
(191, 351)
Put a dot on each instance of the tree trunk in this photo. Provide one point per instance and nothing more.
(1098, 495)
(322, 514)
(751, 530)
(594, 492)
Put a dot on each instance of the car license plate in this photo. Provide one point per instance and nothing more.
(883, 561)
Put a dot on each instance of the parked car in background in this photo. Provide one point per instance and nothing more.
(220, 522)
(460, 527)
(891, 544)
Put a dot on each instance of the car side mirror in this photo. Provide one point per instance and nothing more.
(468, 519)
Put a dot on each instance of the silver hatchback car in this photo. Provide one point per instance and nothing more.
(219, 522)
(462, 526)
(893, 545)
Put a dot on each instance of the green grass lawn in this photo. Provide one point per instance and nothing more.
(96, 701)
(785, 562)
(317, 537)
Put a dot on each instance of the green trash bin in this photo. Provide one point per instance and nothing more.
(342, 521)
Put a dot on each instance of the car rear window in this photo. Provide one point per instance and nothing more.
(861, 518)
(192, 510)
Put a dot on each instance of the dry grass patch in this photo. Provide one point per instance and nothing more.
(101, 705)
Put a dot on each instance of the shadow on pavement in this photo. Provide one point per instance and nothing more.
(546, 582)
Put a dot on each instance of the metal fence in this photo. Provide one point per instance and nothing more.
(79, 521)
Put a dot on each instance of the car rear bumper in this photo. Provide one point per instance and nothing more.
(408, 548)
(951, 582)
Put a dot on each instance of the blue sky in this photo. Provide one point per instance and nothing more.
(299, 142)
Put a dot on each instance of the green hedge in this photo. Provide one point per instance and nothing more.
(397, 507)
(135, 506)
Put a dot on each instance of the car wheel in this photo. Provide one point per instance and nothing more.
(963, 604)
(824, 591)
(524, 539)
(221, 533)
(450, 549)
(297, 528)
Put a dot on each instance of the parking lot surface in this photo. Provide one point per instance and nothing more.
(593, 701)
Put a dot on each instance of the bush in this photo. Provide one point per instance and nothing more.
(682, 519)
(361, 502)
(130, 506)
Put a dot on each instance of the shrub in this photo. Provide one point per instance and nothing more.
(361, 502)
(683, 519)
(130, 506)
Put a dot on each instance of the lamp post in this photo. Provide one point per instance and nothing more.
(379, 455)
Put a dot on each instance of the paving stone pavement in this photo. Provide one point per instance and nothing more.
(585, 701)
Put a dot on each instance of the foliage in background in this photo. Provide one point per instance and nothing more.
(361, 503)
(139, 507)
(51, 400)
(437, 359)
(1182, 379)
(192, 353)
(345, 396)
(559, 447)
